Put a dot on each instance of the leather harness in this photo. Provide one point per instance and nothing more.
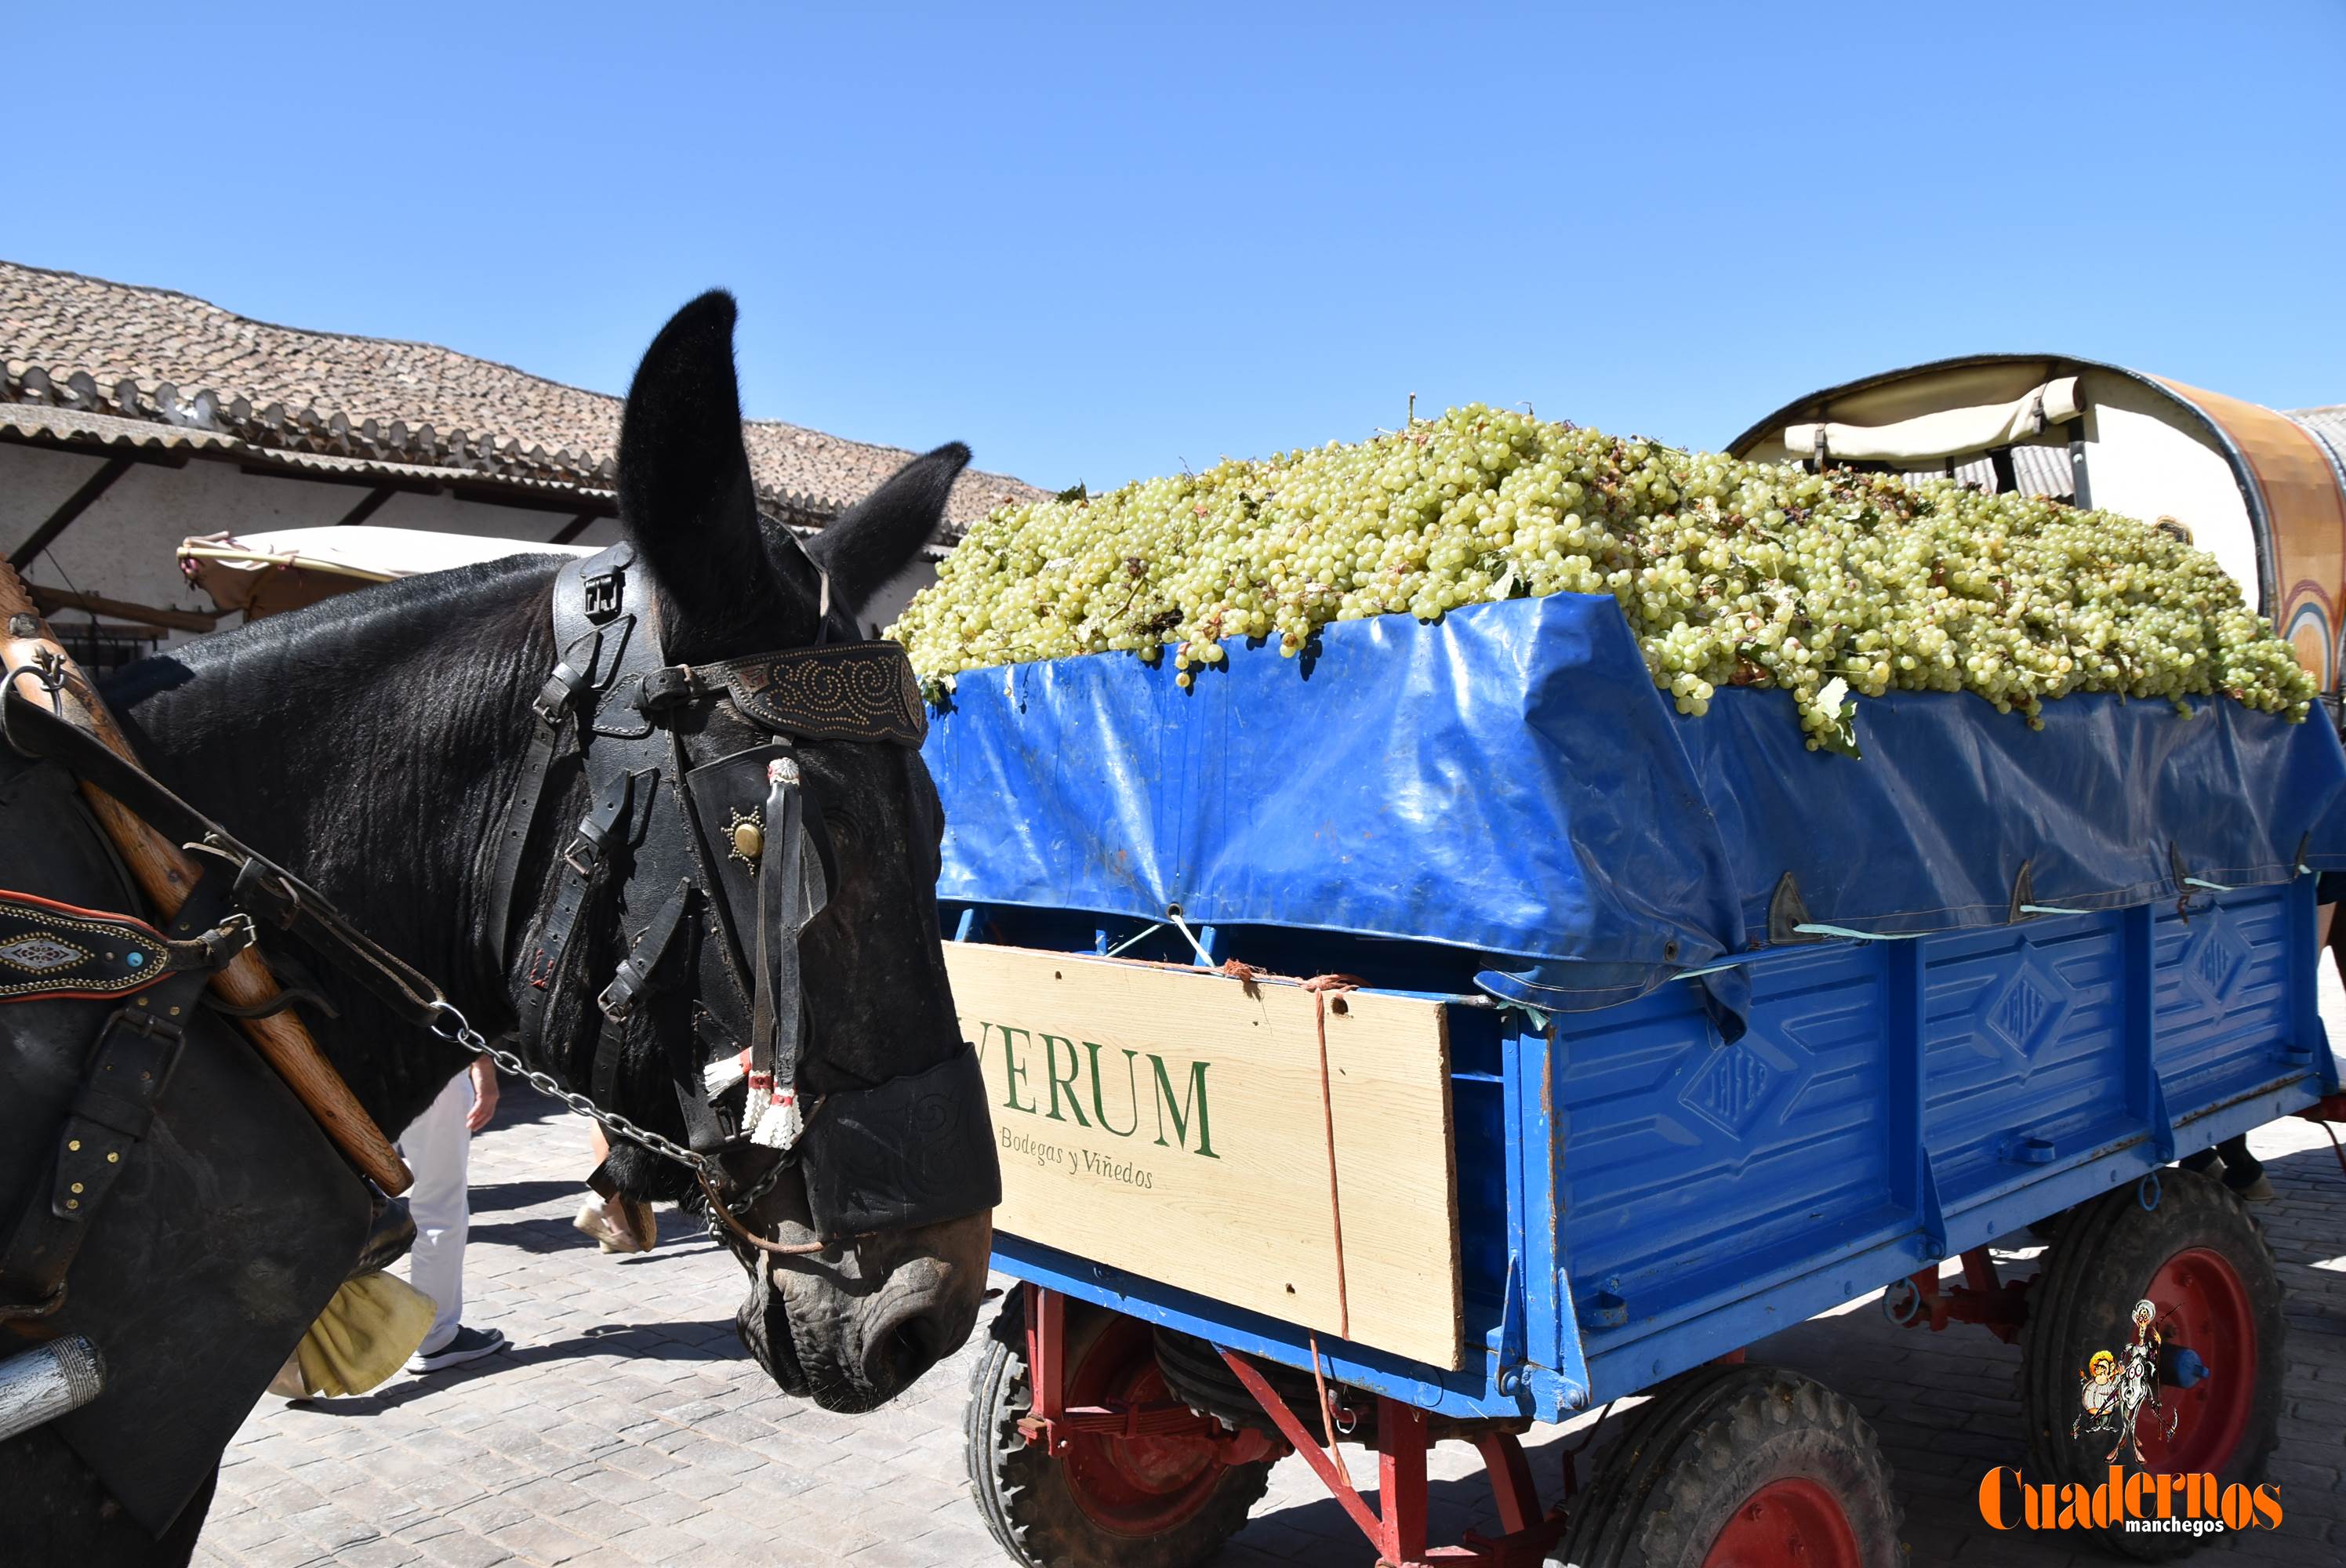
(912, 1150)
(128, 1070)
(658, 840)
(160, 977)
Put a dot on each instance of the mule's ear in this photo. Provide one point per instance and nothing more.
(883, 534)
(685, 493)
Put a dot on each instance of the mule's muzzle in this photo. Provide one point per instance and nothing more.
(900, 1180)
(853, 1326)
(921, 1323)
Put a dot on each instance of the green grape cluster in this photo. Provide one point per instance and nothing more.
(1829, 586)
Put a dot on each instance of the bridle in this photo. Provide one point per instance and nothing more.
(733, 858)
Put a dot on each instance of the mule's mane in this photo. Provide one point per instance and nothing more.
(368, 743)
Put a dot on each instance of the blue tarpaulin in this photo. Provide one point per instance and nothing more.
(1510, 781)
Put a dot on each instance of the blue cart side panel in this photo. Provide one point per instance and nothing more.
(1897, 1102)
(1637, 1196)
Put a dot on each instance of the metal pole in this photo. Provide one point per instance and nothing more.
(42, 1384)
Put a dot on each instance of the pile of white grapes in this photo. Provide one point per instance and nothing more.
(1731, 572)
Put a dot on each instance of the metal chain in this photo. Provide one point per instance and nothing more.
(471, 1039)
(762, 1186)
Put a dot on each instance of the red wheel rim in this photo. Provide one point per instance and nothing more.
(1792, 1523)
(2203, 1305)
(1133, 1486)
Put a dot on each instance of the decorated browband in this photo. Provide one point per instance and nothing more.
(833, 691)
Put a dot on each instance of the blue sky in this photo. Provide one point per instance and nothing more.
(1099, 242)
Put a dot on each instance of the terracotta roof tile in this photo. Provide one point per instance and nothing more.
(2329, 426)
(130, 353)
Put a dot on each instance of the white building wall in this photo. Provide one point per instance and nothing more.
(123, 547)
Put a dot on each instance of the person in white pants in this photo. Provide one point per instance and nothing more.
(437, 1147)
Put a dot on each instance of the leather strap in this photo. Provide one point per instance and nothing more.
(831, 691)
(128, 1070)
(629, 986)
(777, 998)
(552, 710)
(587, 863)
(51, 949)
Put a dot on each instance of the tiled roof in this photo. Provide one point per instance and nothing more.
(129, 355)
(2329, 425)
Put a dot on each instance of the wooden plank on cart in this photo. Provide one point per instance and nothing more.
(1171, 1122)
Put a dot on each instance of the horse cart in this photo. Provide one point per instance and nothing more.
(1437, 1035)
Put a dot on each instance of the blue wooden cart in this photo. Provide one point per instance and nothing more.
(1687, 1112)
(1736, 1033)
(1637, 1203)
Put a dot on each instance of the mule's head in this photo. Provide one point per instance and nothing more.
(851, 1324)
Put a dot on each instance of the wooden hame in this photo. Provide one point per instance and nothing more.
(1175, 1123)
(166, 875)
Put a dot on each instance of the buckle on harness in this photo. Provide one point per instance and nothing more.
(617, 1000)
(668, 686)
(603, 590)
(552, 701)
(635, 973)
(595, 828)
(586, 846)
(555, 697)
(226, 940)
(139, 1020)
(263, 887)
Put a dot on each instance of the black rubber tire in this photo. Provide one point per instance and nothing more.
(2102, 1265)
(1024, 1493)
(1705, 1442)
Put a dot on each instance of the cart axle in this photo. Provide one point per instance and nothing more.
(1983, 1298)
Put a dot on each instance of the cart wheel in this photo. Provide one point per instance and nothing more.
(1738, 1467)
(2203, 1264)
(1129, 1502)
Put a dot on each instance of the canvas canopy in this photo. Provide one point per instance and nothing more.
(1945, 432)
(261, 574)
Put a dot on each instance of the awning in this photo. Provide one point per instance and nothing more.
(1950, 432)
(261, 574)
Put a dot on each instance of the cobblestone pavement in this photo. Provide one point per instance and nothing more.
(627, 1427)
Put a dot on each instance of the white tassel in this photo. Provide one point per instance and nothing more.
(762, 1094)
(719, 1076)
(779, 1124)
